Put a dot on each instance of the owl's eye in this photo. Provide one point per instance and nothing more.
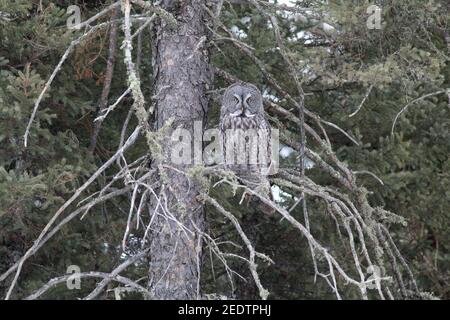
(251, 103)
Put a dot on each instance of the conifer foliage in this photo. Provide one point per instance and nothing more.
(360, 93)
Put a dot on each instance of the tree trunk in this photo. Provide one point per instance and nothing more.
(182, 77)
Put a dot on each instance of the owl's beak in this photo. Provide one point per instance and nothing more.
(243, 107)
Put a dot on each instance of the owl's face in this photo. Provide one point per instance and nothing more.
(242, 100)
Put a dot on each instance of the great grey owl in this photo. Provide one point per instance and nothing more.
(246, 136)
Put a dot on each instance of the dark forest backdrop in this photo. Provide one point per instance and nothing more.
(343, 65)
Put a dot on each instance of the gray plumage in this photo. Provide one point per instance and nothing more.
(242, 120)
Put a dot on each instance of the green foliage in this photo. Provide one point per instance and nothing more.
(403, 61)
(35, 181)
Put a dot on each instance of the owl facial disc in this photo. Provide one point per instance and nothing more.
(243, 108)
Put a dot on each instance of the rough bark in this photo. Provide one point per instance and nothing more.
(182, 77)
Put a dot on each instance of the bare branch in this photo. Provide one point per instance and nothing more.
(129, 142)
(108, 78)
(113, 274)
(106, 277)
(362, 102)
(414, 101)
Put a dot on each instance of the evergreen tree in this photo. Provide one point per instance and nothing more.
(376, 101)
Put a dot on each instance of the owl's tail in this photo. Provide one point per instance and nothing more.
(261, 185)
